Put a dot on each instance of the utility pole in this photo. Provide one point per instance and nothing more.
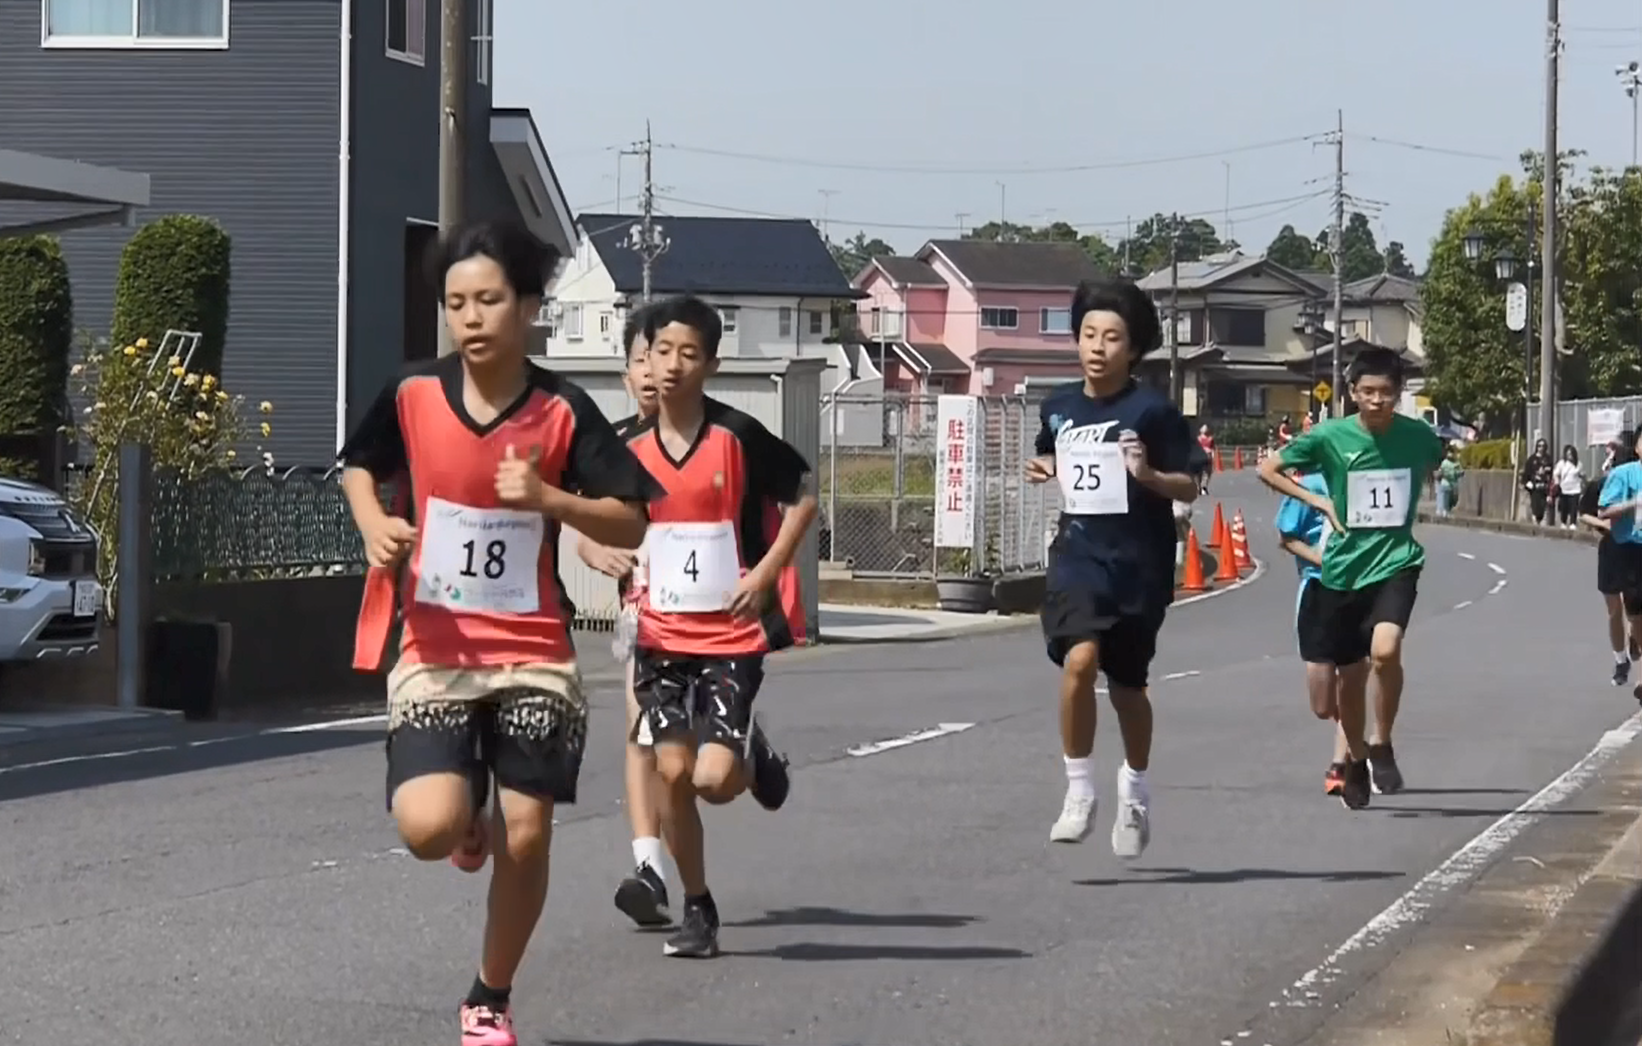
(1128, 234)
(1549, 273)
(1173, 333)
(1337, 256)
(1226, 222)
(1630, 77)
(646, 237)
(453, 95)
(1003, 212)
(826, 200)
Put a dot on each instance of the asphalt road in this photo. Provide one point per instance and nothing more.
(248, 884)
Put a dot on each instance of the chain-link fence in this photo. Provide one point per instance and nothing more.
(878, 478)
(1574, 425)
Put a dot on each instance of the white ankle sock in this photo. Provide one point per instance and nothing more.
(1622, 657)
(647, 851)
(1132, 783)
(1079, 779)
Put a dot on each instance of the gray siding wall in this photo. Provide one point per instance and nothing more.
(247, 136)
(395, 179)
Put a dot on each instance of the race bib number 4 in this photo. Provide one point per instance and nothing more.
(480, 560)
(1377, 499)
(1093, 479)
(694, 567)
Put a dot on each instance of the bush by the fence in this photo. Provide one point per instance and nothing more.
(36, 336)
(174, 275)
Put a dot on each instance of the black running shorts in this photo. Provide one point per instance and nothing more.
(1313, 640)
(1619, 573)
(1127, 644)
(686, 697)
(1338, 627)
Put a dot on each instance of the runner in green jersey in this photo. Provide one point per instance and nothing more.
(1375, 464)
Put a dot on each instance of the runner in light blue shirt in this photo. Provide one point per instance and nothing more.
(1303, 531)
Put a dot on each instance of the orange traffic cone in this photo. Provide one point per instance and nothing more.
(1218, 465)
(1217, 532)
(1192, 581)
(1237, 458)
(1240, 543)
(1227, 568)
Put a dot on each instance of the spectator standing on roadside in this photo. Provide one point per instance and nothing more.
(1536, 480)
(1448, 481)
(1568, 480)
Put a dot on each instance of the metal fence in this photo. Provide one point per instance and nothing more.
(1573, 418)
(878, 472)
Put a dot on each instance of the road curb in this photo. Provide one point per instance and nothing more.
(1581, 536)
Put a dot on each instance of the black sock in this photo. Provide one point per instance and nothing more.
(482, 994)
(701, 900)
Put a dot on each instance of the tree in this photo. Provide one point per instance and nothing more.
(1147, 248)
(1396, 261)
(1602, 285)
(1474, 364)
(1095, 246)
(1292, 250)
(174, 275)
(1360, 255)
(36, 335)
(854, 254)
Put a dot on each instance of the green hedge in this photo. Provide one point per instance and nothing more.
(174, 275)
(36, 336)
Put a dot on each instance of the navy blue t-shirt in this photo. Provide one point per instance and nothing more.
(1126, 561)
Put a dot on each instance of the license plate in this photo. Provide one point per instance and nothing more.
(88, 598)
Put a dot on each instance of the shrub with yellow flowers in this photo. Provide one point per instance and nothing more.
(149, 394)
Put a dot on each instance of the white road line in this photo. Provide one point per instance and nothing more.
(873, 748)
(124, 753)
(1181, 675)
(1467, 555)
(1466, 864)
(1499, 586)
(1462, 606)
(1496, 568)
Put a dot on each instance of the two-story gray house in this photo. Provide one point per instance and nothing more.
(310, 130)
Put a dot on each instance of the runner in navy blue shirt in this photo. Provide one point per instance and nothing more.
(1123, 454)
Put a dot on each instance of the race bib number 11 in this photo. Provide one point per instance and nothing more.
(1378, 499)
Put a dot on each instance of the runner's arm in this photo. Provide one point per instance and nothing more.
(1298, 454)
(1596, 523)
(1172, 452)
(373, 454)
(1300, 549)
(778, 473)
(1616, 498)
(606, 490)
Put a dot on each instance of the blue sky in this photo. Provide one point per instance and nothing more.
(836, 97)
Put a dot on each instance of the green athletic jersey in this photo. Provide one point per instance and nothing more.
(1375, 483)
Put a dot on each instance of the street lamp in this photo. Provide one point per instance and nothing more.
(1505, 265)
(1630, 78)
(1474, 242)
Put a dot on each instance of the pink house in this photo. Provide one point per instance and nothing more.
(972, 316)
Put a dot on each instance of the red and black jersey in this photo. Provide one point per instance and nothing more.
(482, 586)
(736, 472)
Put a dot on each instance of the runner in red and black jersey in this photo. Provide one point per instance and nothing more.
(495, 454)
(720, 594)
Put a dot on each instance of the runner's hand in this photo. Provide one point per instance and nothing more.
(615, 562)
(517, 481)
(1326, 507)
(1040, 470)
(388, 542)
(1134, 455)
(748, 599)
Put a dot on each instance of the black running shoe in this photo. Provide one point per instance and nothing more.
(771, 782)
(698, 937)
(1382, 763)
(1621, 673)
(1354, 786)
(642, 897)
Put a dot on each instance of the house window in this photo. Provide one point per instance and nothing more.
(573, 322)
(818, 323)
(484, 41)
(1055, 321)
(408, 30)
(727, 315)
(1000, 319)
(604, 324)
(1254, 400)
(783, 320)
(1244, 328)
(135, 23)
(544, 317)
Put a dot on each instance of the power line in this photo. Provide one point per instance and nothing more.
(1422, 148)
(1207, 212)
(1111, 165)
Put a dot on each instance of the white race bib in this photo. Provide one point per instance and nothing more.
(1094, 481)
(694, 567)
(1377, 498)
(480, 560)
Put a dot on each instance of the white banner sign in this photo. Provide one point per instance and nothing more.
(957, 472)
(1603, 426)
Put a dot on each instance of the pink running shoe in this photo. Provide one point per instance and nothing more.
(483, 1026)
(475, 849)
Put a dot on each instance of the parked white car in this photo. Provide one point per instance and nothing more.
(51, 605)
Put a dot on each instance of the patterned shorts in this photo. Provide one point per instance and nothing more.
(704, 700)
(526, 725)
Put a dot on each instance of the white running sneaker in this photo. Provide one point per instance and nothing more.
(1133, 828)
(1077, 816)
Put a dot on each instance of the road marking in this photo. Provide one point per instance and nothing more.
(874, 747)
(1466, 864)
(1496, 568)
(1499, 586)
(1462, 606)
(1181, 675)
(126, 753)
(1467, 555)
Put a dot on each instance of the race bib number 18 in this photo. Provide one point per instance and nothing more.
(1377, 499)
(480, 560)
(694, 567)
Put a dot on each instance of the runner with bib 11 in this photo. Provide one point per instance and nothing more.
(1374, 465)
(1123, 455)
